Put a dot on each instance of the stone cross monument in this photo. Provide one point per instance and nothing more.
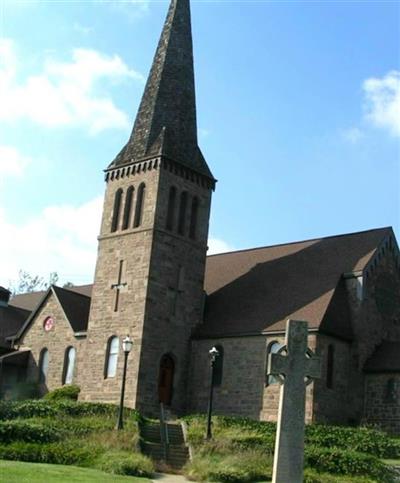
(294, 365)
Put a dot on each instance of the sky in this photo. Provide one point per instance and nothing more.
(298, 116)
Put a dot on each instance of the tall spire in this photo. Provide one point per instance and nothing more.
(166, 120)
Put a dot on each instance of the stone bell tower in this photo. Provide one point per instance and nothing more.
(153, 240)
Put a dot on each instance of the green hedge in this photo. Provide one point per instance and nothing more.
(44, 408)
(346, 462)
(29, 432)
(259, 434)
(124, 463)
(364, 440)
(69, 392)
(69, 453)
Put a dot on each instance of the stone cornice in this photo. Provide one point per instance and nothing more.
(147, 164)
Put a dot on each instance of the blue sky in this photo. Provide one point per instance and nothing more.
(298, 116)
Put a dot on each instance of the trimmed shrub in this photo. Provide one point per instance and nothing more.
(124, 463)
(71, 453)
(69, 392)
(364, 440)
(311, 476)
(27, 431)
(45, 408)
(346, 462)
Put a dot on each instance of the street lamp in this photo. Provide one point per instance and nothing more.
(127, 344)
(214, 353)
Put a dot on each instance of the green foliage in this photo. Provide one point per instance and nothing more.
(28, 432)
(365, 440)
(69, 392)
(246, 466)
(347, 462)
(124, 463)
(311, 476)
(46, 408)
(63, 453)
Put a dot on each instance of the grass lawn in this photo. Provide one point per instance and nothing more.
(17, 472)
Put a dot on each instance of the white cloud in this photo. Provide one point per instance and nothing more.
(12, 162)
(382, 101)
(216, 245)
(353, 135)
(63, 94)
(62, 239)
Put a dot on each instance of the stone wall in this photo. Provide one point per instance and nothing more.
(343, 401)
(155, 309)
(375, 319)
(173, 306)
(242, 387)
(133, 246)
(57, 340)
(244, 390)
(382, 401)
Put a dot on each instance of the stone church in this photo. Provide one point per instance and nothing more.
(155, 282)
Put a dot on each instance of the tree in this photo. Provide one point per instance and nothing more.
(32, 283)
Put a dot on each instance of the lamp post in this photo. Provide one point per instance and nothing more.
(213, 357)
(127, 344)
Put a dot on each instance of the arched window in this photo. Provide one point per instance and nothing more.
(171, 208)
(182, 213)
(218, 365)
(193, 218)
(116, 210)
(273, 348)
(110, 367)
(330, 366)
(139, 205)
(69, 365)
(43, 365)
(128, 207)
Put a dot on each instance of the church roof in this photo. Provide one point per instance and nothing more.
(75, 304)
(255, 291)
(385, 358)
(166, 120)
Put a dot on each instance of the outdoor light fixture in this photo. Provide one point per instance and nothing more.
(214, 353)
(127, 345)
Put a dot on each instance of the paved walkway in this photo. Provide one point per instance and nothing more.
(164, 478)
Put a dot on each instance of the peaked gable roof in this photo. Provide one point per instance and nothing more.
(75, 305)
(256, 291)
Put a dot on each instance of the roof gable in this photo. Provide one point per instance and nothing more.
(255, 291)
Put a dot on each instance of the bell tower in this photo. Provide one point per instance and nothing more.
(153, 239)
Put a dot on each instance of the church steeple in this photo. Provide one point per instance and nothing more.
(166, 120)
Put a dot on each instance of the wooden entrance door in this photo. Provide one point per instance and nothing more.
(166, 379)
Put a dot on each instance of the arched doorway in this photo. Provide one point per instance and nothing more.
(166, 379)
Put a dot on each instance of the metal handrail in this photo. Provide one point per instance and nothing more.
(164, 431)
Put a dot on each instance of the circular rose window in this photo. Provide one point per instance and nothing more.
(48, 323)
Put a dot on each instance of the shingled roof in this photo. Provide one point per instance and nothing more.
(76, 306)
(166, 120)
(255, 291)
